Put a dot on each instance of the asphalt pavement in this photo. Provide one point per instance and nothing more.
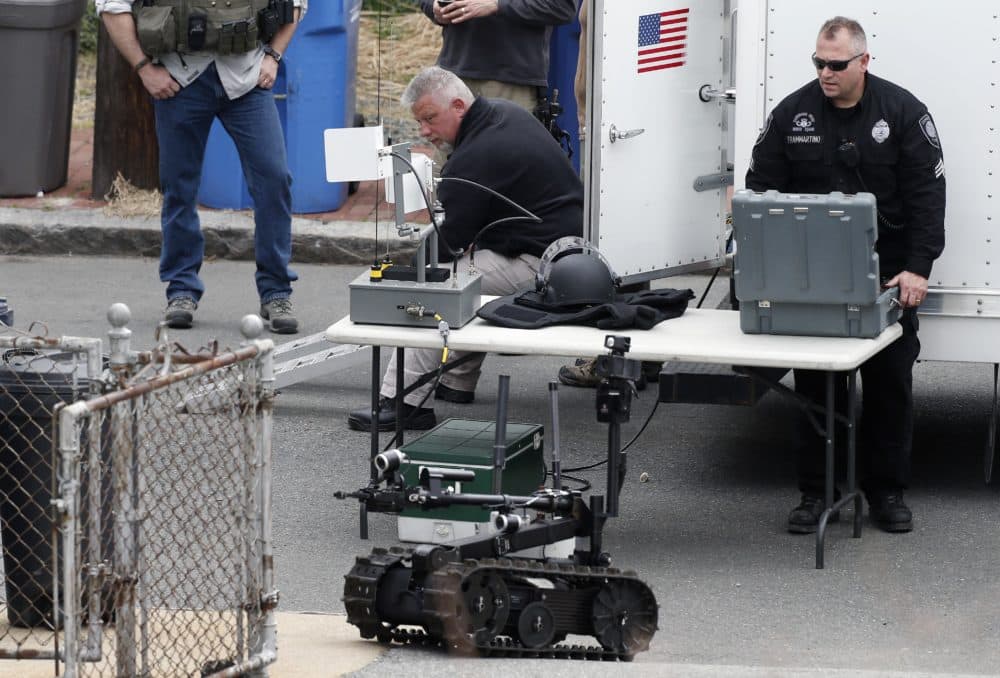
(738, 595)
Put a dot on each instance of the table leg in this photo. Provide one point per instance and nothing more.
(831, 409)
(852, 447)
(376, 409)
(852, 493)
(397, 441)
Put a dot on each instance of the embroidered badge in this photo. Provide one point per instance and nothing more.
(763, 132)
(804, 122)
(929, 130)
(880, 132)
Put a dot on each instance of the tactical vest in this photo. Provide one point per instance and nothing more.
(220, 26)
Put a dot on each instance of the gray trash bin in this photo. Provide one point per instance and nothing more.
(32, 384)
(38, 72)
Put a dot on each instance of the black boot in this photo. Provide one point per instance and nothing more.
(804, 518)
(889, 512)
(453, 395)
(414, 419)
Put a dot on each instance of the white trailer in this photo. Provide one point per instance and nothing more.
(666, 123)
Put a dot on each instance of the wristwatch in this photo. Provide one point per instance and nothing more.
(272, 52)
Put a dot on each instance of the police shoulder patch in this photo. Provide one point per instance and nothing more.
(929, 131)
(764, 131)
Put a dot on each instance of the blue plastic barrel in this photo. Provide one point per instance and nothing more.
(315, 90)
(564, 49)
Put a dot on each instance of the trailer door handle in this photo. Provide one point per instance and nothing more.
(706, 94)
(617, 134)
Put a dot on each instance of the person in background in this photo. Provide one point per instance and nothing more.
(497, 144)
(199, 66)
(851, 131)
(500, 48)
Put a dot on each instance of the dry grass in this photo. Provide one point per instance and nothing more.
(409, 43)
(83, 101)
(125, 200)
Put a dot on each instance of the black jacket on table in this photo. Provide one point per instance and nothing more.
(505, 148)
(897, 156)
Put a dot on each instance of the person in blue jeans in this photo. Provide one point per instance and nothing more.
(200, 63)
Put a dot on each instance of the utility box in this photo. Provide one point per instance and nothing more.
(39, 39)
(468, 444)
(806, 264)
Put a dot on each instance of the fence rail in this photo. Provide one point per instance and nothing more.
(143, 481)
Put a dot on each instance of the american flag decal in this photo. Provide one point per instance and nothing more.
(662, 40)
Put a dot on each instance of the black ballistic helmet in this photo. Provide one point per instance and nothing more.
(573, 273)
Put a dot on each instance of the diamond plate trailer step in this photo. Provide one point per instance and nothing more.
(314, 356)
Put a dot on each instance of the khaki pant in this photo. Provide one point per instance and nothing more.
(501, 276)
(525, 96)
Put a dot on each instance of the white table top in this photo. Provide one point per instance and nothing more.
(700, 336)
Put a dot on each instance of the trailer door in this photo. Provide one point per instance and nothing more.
(655, 158)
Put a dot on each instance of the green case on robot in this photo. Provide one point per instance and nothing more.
(468, 444)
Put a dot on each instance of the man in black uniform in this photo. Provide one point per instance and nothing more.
(502, 147)
(851, 131)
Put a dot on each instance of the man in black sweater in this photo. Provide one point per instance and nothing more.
(503, 147)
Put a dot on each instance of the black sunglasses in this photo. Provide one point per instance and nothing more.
(820, 64)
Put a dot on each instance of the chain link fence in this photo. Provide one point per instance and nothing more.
(37, 376)
(156, 514)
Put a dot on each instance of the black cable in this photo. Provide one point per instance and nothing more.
(472, 247)
(656, 403)
(627, 445)
(584, 483)
(423, 192)
(489, 190)
(588, 467)
(528, 215)
(708, 287)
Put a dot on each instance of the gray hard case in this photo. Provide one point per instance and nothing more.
(806, 264)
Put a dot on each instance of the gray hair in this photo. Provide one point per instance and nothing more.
(832, 26)
(443, 86)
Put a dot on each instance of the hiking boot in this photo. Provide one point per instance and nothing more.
(453, 395)
(414, 418)
(180, 313)
(889, 512)
(281, 316)
(804, 518)
(583, 373)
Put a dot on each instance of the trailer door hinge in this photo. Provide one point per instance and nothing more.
(708, 182)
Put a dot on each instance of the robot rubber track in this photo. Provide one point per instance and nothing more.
(498, 606)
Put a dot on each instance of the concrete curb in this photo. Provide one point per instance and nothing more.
(310, 645)
(228, 235)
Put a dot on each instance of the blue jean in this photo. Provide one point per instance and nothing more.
(182, 126)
